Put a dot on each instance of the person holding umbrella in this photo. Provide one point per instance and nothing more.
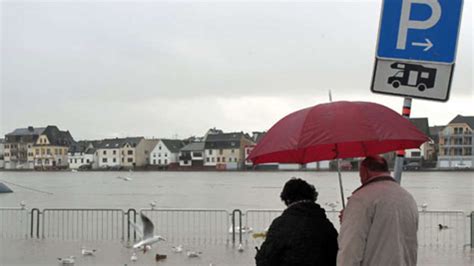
(302, 235)
(379, 225)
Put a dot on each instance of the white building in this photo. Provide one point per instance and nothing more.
(82, 155)
(120, 153)
(192, 155)
(166, 153)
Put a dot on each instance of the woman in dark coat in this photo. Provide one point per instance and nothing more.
(302, 235)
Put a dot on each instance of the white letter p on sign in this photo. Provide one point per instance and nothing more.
(406, 23)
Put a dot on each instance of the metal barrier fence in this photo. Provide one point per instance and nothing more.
(437, 229)
(447, 229)
(190, 226)
(14, 223)
(83, 224)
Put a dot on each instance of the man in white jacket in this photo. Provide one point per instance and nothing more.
(380, 223)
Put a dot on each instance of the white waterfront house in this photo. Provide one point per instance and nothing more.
(192, 155)
(121, 153)
(82, 154)
(166, 153)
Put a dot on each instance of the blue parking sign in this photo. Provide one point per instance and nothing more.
(420, 30)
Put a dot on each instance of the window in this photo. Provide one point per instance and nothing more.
(56, 151)
(39, 161)
(159, 147)
(166, 161)
(46, 161)
(61, 151)
(416, 154)
(154, 161)
(468, 151)
(114, 160)
(29, 146)
(114, 152)
(123, 160)
(166, 154)
(130, 152)
(75, 160)
(82, 160)
(223, 159)
(232, 151)
(185, 162)
(218, 159)
(212, 159)
(104, 160)
(70, 160)
(207, 159)
(159, 161)
(130, 160)
(235, 159)
(159, 154)
(220, 152)
(48, 151)
(7, 146)
(104, 152)
(210, 152)
(88, 161)
(37, 151)
(154, 155)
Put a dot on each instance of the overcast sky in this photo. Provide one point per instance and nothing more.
(162, 69)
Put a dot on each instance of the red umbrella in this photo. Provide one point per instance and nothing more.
(336, 130)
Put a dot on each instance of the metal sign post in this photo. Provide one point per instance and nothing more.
(400, 159)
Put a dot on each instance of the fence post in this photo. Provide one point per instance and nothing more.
(33, 211)
(131, 210)
(233, 225)
(472, 229)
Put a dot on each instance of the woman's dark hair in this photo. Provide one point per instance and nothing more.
(297, 189)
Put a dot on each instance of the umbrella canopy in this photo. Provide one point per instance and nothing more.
(336, 130)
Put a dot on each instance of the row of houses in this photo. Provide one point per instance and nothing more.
(51, 148)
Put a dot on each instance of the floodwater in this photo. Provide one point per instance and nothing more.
(200, 190)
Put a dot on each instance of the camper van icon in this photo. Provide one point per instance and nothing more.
(412, 75)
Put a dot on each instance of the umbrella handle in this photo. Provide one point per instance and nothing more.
(340, 183)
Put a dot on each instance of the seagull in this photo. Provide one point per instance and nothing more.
(240, 248)
(88, 252)
(178, 249)
(441, 227)
(67, 261)
(193, 254)
(424, 206)
(23, 205)
(134, 257)
(153, 204)
(148, 238)
(124, 178)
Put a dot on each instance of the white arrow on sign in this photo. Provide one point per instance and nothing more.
(428, 44)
